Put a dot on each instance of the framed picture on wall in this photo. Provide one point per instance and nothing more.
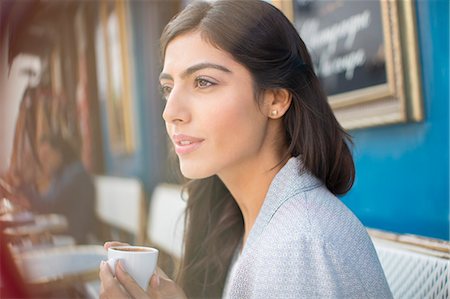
(365, 54)
(113, 64)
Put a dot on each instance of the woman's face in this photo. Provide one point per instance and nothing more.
(211, 114)
(50, 158)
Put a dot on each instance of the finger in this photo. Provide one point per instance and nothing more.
(111, 289)
(114, 243)
(161, 287)
(161, 273)
(153, 290)
(128, 282)
(155, 281)
(102, 294)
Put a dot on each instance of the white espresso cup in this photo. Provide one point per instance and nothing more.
(139, 261)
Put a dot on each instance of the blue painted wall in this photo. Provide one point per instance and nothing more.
(148, 160)
(402, 180)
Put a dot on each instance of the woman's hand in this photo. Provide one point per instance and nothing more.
(121, 286)
(124, 286)
(161, 287)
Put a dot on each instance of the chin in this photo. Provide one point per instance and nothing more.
(193, 171)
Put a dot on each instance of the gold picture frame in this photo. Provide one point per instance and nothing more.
(398, 98)
(114, 41)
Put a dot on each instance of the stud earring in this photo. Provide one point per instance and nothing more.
(274, 113)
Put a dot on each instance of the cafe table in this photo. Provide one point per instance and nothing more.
(11, 219)
(40, 227)
(51, 269)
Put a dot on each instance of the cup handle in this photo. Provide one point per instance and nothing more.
(112, 265)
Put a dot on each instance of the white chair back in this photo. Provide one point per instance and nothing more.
(121, 204)
(415, 267)
(165, 227)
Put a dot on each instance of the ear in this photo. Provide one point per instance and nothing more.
(277, 102)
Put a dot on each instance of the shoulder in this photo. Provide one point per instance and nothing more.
(316, 224)
(75, 171)
(76, 180)
(316, 213)
(315, 245)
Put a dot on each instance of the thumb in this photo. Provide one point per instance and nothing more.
(155, 281)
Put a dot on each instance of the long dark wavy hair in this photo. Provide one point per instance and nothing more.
(263, 40)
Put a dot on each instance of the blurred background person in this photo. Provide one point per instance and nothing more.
(64, 187)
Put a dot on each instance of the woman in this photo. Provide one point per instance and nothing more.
(71, 190)
(252, 128)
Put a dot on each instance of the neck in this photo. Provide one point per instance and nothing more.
(249, 182)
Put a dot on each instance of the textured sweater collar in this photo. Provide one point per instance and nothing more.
(290, 180)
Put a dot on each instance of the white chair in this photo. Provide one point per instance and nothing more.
(121, 204)
(165, 227)
(415, 267)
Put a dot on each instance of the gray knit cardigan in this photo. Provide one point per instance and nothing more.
(305, 243)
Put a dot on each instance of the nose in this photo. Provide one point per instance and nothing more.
(176, 110)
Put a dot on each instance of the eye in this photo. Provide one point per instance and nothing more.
(165, 90)
(203, 83)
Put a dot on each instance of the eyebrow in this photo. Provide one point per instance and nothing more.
(192, 69)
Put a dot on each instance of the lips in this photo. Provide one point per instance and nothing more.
(185, 144)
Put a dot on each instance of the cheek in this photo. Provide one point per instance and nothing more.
(167, 128)
(236, 126)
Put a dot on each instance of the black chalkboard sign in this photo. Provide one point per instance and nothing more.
(346, 42)
(366, 56)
